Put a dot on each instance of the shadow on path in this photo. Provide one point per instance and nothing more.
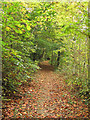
(46, 66)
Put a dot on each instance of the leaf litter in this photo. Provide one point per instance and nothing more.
(48, 98)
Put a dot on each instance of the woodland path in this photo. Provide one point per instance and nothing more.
(46, 96)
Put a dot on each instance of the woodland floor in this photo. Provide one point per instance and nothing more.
(47, 96)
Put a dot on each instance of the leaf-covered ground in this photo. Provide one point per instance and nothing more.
(47, 96)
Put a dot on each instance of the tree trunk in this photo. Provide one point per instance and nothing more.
(52, 58)
(58, 58)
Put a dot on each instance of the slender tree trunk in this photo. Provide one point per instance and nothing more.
(41, 56)
(79, 60)
(58, 58)
(88, 57)
(34, 56)
(52, 58)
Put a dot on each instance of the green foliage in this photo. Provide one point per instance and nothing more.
(23, 40)
(36, 31)
(74, 31)
(17, 45)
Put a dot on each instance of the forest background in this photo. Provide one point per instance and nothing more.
(34, 32)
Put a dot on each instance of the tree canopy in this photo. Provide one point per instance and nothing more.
(33, 32)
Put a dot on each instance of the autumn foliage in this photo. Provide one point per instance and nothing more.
(41, 31)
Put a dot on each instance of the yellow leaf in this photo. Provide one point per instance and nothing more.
(8, 28)
(20, 31)
(28, 28)
(58, 115)
(14, 92)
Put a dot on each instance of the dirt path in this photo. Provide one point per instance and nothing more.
(47, 96)
(48, 89)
